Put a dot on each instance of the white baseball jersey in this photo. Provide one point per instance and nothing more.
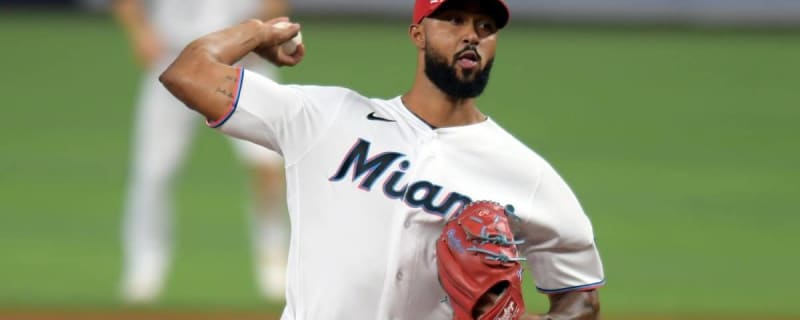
(369, 186)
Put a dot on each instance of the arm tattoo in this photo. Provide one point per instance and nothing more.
(225, 92)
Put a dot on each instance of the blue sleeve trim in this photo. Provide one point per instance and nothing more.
(234, 105)
(575, 288)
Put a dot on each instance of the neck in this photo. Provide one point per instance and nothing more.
(437, 108)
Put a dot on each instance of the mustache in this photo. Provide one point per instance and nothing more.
(468, 48)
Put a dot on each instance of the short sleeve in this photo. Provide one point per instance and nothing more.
(288, 119)
(560, 245)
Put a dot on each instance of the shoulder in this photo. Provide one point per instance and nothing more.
(510, 146)
(326, 93)
(339, 98)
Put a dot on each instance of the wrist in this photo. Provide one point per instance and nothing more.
(254, 28)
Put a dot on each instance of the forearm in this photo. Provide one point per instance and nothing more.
(202, 76)
(578, 305)
(226, 46)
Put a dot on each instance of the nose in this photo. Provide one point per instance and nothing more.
(471, 36)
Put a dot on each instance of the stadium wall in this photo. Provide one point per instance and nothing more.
(729, 12)
(701, 12)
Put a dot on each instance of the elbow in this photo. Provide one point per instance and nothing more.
(169, 79)
(177, 81)
(173, 79)
(178, 76)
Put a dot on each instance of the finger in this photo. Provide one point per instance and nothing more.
(299, 53)
(276, 20)
(279, 35)
(293, 59)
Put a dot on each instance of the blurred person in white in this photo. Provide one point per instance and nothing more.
(163, 130)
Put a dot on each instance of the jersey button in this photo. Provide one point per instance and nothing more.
(399, 276)
(407, 224)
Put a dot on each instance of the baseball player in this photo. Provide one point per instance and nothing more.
(163, 131)
(371, 182)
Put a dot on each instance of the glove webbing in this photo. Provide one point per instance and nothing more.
(500, 239)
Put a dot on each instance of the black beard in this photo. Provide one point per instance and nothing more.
(445, 77)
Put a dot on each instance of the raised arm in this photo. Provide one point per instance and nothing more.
(202, 76)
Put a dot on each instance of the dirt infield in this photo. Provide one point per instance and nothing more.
(240, 316)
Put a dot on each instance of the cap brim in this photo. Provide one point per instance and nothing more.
(500, 13)
(497, 9)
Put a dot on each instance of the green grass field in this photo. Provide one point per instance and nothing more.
(683, 146)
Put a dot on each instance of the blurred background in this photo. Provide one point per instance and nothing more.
(675, 121)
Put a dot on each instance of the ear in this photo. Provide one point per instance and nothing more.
(416, 32)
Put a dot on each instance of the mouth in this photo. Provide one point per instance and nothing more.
(468, 59)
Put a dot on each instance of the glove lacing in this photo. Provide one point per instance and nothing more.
(500, 239)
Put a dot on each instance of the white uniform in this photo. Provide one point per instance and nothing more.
(164, 129)
(369, 186)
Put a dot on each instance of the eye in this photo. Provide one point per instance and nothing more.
(456, 20)
(487, 26)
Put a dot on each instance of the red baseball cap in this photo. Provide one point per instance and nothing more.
(499, 10)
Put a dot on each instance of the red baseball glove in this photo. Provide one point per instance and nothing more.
(477, 256)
